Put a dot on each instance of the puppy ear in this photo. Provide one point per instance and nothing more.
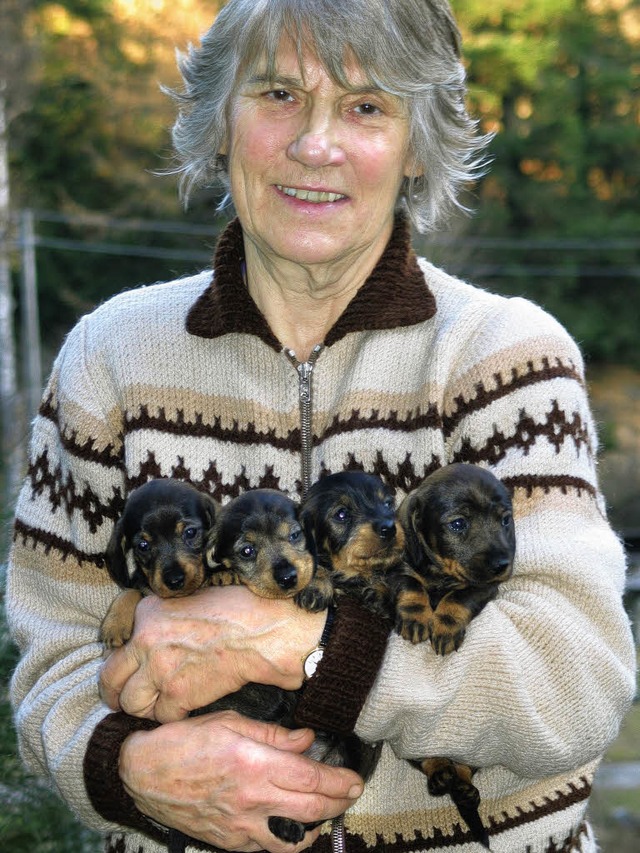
(210, 508)
(210, 546)
(116, 557)
(307, 515)
(410, 515)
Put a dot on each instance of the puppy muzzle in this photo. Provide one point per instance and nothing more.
(285, 574)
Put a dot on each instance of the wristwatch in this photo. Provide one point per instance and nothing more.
(312, 659)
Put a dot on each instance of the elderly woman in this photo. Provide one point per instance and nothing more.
(333, 125)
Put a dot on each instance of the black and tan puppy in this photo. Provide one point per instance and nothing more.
(156, 546)
(258, 540)
(352, 518)
(460, 540)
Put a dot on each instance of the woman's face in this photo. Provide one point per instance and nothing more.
(315, 169)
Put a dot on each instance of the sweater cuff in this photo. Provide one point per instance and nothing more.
(102, 778)
(332, 699)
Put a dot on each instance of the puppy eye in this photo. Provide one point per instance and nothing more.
(143, 546)
(458, 525)
(341, 515)
(389, 503)
(247, 552)
(190, 533)
(506, 520)
(295, 535)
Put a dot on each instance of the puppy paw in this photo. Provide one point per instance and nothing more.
(286, 829)
(445, 637)
(224, 577)
(117, 625)
(314, 597)
(412, 630)
(113, 639)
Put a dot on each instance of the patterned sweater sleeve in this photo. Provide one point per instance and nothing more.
(546, 671)
(58, 588)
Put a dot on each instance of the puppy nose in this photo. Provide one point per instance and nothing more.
(500, 565)
(285, 574)
(386, 530)
(174, 577)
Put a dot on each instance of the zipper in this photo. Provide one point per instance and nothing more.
(305, 396)
(338, 835)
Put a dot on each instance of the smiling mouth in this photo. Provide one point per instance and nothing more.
(310, 195)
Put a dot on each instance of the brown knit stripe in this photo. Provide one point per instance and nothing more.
(389, 841)
(430, 418)
(64, 493)
(65, 549)
(546, 483)
(577, 793)
(210, 480)
(109, 456)
(197, 428)
(556, 428)
(485, 397)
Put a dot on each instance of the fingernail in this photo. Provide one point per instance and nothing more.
(297, 734)
(355, 791)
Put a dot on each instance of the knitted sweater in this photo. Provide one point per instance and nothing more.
(186, 380)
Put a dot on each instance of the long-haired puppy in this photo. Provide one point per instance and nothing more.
(351, 517)
(460, 542)
(259, 541)
(156, 546)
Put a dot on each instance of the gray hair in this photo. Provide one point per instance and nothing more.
(409, 48)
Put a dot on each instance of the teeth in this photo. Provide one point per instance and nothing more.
(310, 195)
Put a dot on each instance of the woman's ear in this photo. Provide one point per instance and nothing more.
(412, 168)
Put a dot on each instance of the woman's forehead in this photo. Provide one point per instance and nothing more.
(299, 62)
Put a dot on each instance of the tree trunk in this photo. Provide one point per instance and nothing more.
(12, 435)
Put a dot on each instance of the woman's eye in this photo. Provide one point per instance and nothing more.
(458, 525)
(279, 95)
(368, 109)
(248, 552)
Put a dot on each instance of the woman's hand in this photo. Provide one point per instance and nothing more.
(218, 777)
(187, 652)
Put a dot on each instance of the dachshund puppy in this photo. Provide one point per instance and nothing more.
(351, 517)
(460, 540)
(258, 541)
(156, 546)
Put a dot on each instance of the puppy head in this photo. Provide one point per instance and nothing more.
(158, 542)
(258, 536)
(353, 521)
(459, 521)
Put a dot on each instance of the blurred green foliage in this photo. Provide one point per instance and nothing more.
(557, 215)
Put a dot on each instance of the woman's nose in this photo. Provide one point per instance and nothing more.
(317, 144)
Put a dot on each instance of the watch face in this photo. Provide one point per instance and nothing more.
(312, 661)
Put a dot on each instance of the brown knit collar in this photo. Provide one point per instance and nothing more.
(395, 294)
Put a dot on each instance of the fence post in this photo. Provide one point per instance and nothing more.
(30, 318)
